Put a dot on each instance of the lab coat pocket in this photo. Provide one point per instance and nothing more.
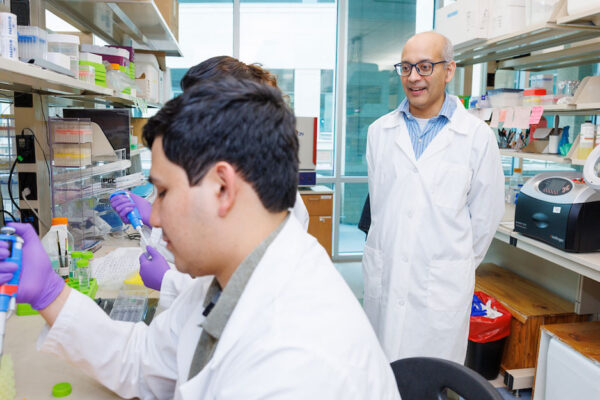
(450, 284)
(372, 271)
(452, 185)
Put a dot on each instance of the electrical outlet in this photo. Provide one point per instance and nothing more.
(26, 148)
(28, 180)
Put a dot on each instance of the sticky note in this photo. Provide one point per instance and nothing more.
(495, 118)
(536, 115)
(502, 116)
(521, 117)
(508, 118)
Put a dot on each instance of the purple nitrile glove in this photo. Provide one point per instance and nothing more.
(39, 284)
(152, 271)
(122, 205)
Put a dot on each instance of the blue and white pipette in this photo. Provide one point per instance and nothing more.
(134, 217)
(8, 291)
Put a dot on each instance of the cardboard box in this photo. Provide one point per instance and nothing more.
(84, 38)
(464, 21)
(169, 9)
(506, 17)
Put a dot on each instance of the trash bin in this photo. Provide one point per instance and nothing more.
(487, 334)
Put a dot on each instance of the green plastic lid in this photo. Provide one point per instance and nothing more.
(87, 255)
(61, 389)
(82, 263)
(76, 254)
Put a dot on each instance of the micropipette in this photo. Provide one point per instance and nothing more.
(134, 217)
(8, 291)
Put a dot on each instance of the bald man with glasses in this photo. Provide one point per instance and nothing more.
(436, 191)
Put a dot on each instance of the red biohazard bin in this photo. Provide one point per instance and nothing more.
(486, 339)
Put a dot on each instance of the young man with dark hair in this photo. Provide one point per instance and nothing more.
(278, 320)
(154, 268)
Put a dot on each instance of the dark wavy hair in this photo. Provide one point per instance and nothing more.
(242, 122)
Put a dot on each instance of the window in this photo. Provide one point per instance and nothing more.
(334, 61)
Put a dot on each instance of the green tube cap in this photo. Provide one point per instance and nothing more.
(82, 263)
(87, 255)
(61, 389)
(76, 254)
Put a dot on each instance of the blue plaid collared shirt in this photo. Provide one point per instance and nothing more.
(420, 139)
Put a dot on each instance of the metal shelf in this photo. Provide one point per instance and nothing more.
(524, 42)
(535, 156)
(22, 77)
(586, 264)
(120, 22)
(18, 76)
(585, 52)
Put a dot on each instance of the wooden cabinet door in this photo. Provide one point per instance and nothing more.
(320, 226)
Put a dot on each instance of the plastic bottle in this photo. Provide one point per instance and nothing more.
(586, 140)
(597, 136)
(83, 274)
(515, 185)
(58, 242)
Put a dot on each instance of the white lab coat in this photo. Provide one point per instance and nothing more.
(432, 221)
(297, 332)
(174, 282)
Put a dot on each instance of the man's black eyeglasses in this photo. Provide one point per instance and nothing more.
(424, 68)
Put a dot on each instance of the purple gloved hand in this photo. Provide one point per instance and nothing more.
(39, 284)
(122, 205)
(152, 271)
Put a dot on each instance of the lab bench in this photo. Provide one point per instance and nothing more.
(36, 372)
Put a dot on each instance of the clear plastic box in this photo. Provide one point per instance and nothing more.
(71, 131)
(33, 42)
(67, 45)
(505, 97)
(130, 306)
(87, 73)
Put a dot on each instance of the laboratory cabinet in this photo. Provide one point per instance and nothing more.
(531, 307)
(568, 365)
(319, 204)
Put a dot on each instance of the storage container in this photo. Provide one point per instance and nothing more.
(579, 6)
(87, 74)
(8, 25)
(507, 16)
(539, 11)
(505, 97)
(59, 59)
(116, 79)
(33, 42)
(95, 61)
(146, 67)
(9, 47)
(67, 45)
(533, 97)
(544, 81)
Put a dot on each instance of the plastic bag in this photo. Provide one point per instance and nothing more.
(483, 329)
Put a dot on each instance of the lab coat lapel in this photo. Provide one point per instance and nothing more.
(442, 140)
(403, 140)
